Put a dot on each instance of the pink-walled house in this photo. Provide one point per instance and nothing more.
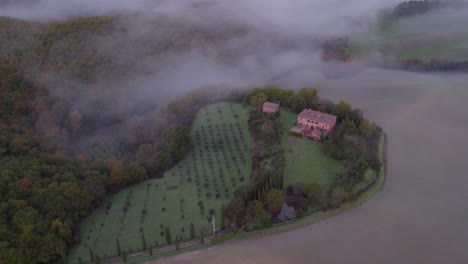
(311, 123)
(316, 120)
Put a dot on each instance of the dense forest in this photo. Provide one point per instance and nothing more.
(46, 188)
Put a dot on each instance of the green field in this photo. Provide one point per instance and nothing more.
(206, 178)
(304, 159)
(440, 35)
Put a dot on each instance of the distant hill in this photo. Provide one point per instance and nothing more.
(417, 7)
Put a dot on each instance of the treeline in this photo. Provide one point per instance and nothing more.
(355, 141)
(415, 7)
(304, 98)
(434, 65)
(88, 49)
(336, 49)
(418, 7)
(250, 202)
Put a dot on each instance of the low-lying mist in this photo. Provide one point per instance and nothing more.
(164, 48)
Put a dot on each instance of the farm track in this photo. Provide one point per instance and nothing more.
(145, 253)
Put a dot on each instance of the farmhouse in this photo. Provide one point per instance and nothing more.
(269, 107)
(312, 124)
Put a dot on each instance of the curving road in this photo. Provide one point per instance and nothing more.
(420, 216)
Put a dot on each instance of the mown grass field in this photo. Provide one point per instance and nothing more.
(304, 159)
(189, 193)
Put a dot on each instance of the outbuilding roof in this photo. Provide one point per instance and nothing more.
(271, 105)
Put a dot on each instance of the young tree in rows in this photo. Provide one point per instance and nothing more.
(168, 235)
(124, 256)
(202, 235)
(177, 245)
(117, 244)
(150, 249)
(223, 216)
(143, 240)
(192, 231)
(91, 254)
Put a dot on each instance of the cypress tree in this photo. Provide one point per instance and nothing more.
(143, 240)
(223, 224)
(124, 256)
(91, 255)
(192, 231)
(117, 244)
(63, 253)
(202, 236)
(168, 235)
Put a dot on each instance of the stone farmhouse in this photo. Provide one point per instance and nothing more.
(311, 123)
(269, 107)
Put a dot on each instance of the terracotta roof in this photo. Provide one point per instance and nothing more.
(318, 116)
(271, 105)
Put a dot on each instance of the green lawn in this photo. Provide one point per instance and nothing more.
(218, 163)
(304, 159)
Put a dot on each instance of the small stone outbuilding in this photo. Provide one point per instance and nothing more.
(269, 107)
